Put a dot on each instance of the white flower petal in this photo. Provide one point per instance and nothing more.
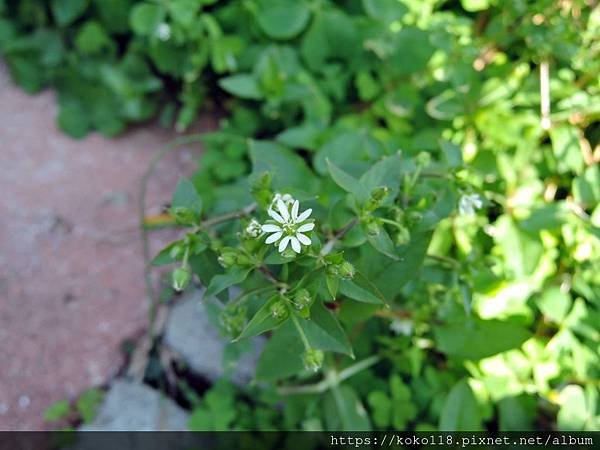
(273, 238)
(283, 244)
(275, 216)
(305, 215)
(295, 207)
(304, 239)
(269, 228)
(295, 244)
(283, 210)
(306, 227)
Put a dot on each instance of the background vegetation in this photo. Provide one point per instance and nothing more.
(493, 315)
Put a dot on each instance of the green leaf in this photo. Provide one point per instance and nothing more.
(345, 411)
(554, 304)
(460, 411)
(282, 19)
(347, 182)
(146, 17)
(412, 51)
(477, 339)
(88, 403)
(351, 290)
(57, 411)
(390, 275)
(73, 119)
(288, 168)
(586, 187)
(324, 332)
(264, 320)
(381, 406)
(573, 413)
(383, 244)
(281, 357)
(385, 10)
(517, 413)
(566, 149)
(243, 85)
(66, 12)
(403, 410)
(475, 5)
(186, 197)
(91, 38)
(222, 281)
(332, 285)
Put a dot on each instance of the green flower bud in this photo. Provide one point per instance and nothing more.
(377, 197)
(313, 359)
(423, 159)
(183, 216)
(372, 228)
(279, 310)
(181, 278)
(402, 236)
(302, 299)
(228, 257)
(346, 270)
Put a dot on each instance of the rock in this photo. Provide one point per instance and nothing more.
(131, 406)
(196, 340)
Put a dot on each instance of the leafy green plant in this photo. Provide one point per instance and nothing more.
(447, 152)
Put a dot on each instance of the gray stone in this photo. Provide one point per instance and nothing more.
(131, 406)
(200, 345)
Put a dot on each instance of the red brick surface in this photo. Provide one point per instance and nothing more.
(71, 273)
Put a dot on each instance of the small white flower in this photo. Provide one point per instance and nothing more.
(163, 31)
(401, 326)
(253, 229)
(289, 226)
(468, 203)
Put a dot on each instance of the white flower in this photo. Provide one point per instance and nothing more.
(401, 326)
(163, 31)
(289, 225)
(469, 203)
(253, 229)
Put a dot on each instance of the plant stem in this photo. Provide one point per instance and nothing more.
(184, 140)
(301, 332)
(228, 216)
(332, 379)
(340, 234)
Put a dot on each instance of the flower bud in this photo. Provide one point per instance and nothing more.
(302, 299)
(313, 359)
(372, 228)
(279, 310)
(183, 216)
(228, 257)
(377, 197)
(181, 278)
(253, 229)
(423, 159)
(346, 270)
(263, 181)
(402, 236)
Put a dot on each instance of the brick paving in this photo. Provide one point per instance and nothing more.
(71, 273)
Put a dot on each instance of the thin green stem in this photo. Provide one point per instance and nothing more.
(332, 379)
(301, 332)
(391, 222)
(175, 143)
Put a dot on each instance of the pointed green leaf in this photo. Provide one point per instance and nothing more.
(222, 281)
(264, 320)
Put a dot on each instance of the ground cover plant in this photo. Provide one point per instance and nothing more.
(404, 195)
